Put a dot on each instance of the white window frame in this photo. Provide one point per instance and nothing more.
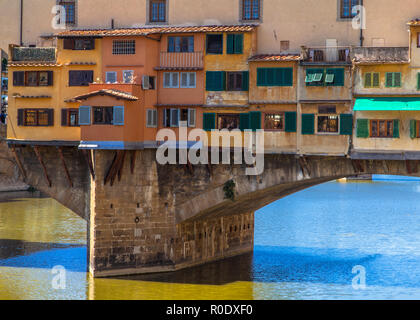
(111, 72)
(151, 118)
(327, 115)
(132, 77)
(171, 85)
(188, 80)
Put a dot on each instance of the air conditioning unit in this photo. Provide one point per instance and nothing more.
(146, 83)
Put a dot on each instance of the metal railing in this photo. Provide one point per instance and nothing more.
(327, 54)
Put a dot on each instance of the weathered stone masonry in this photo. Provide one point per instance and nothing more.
(134, 225)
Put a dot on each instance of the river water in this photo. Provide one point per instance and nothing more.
(306, 246)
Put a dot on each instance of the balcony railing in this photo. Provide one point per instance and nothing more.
(327, 54)
(181, 60)
(380, 54)
(33, 54)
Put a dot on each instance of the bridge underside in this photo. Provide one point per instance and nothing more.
(145, 217)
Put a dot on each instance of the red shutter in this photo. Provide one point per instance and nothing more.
(68, 44)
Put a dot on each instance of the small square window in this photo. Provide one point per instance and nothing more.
(215, 43)
(274, 121)
(128, 76)
(111, 77)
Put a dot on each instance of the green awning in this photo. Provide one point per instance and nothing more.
(387, 104)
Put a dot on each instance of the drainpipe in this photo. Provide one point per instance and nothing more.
(21, 22)
(361, 23)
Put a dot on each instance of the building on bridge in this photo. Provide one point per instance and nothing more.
(387, 100)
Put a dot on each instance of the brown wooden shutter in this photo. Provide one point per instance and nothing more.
(68, 44)
(64, 117)
(50, 117)
(20, 117)
(18, 78)
(50, 77)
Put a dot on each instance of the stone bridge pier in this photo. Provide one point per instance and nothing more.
(145, 217)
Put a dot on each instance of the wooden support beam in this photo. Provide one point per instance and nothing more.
(19, 163)
(119, 163)
(133, 161)
(304, 166)
(88, 157)
(412, 166)
(60, 152)
(210, 169)
(38, 155)
(112, 168)
(357, 166)
(120, 170)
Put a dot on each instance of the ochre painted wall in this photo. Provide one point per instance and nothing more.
(404, 143)
(260, 93)
(324, 143)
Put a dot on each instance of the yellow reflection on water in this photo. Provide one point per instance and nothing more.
(111, 289)
(40, 220)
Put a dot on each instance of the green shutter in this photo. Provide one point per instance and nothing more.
(288, 77)
(223, 79)
(239, 43)
(308, 123)
(261, 81)
(338, 76)
(368, 80)
(215, 80)
(389, 79)
(255, 120)
(245, 80)
(313, 71)
(413, 129)
(270, 76)
(418, 81)
(290, 118)
(209, 81)
(397, 79)
(396, 133)
(280, 77)
(230, 44)
(244, 121)
(346, 124)
(209, 121)
(376, 79)
(362, 128)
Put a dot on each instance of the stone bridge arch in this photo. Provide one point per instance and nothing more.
(20, 164)
(283, 175)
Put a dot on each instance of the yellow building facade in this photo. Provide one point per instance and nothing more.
(43, 82)
(387, 95)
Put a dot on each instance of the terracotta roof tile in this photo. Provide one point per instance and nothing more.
(75, 63)
(107, 92)
(34, 97)
(144, 31)
(276, 57)
(33, 64)
(415, 22)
